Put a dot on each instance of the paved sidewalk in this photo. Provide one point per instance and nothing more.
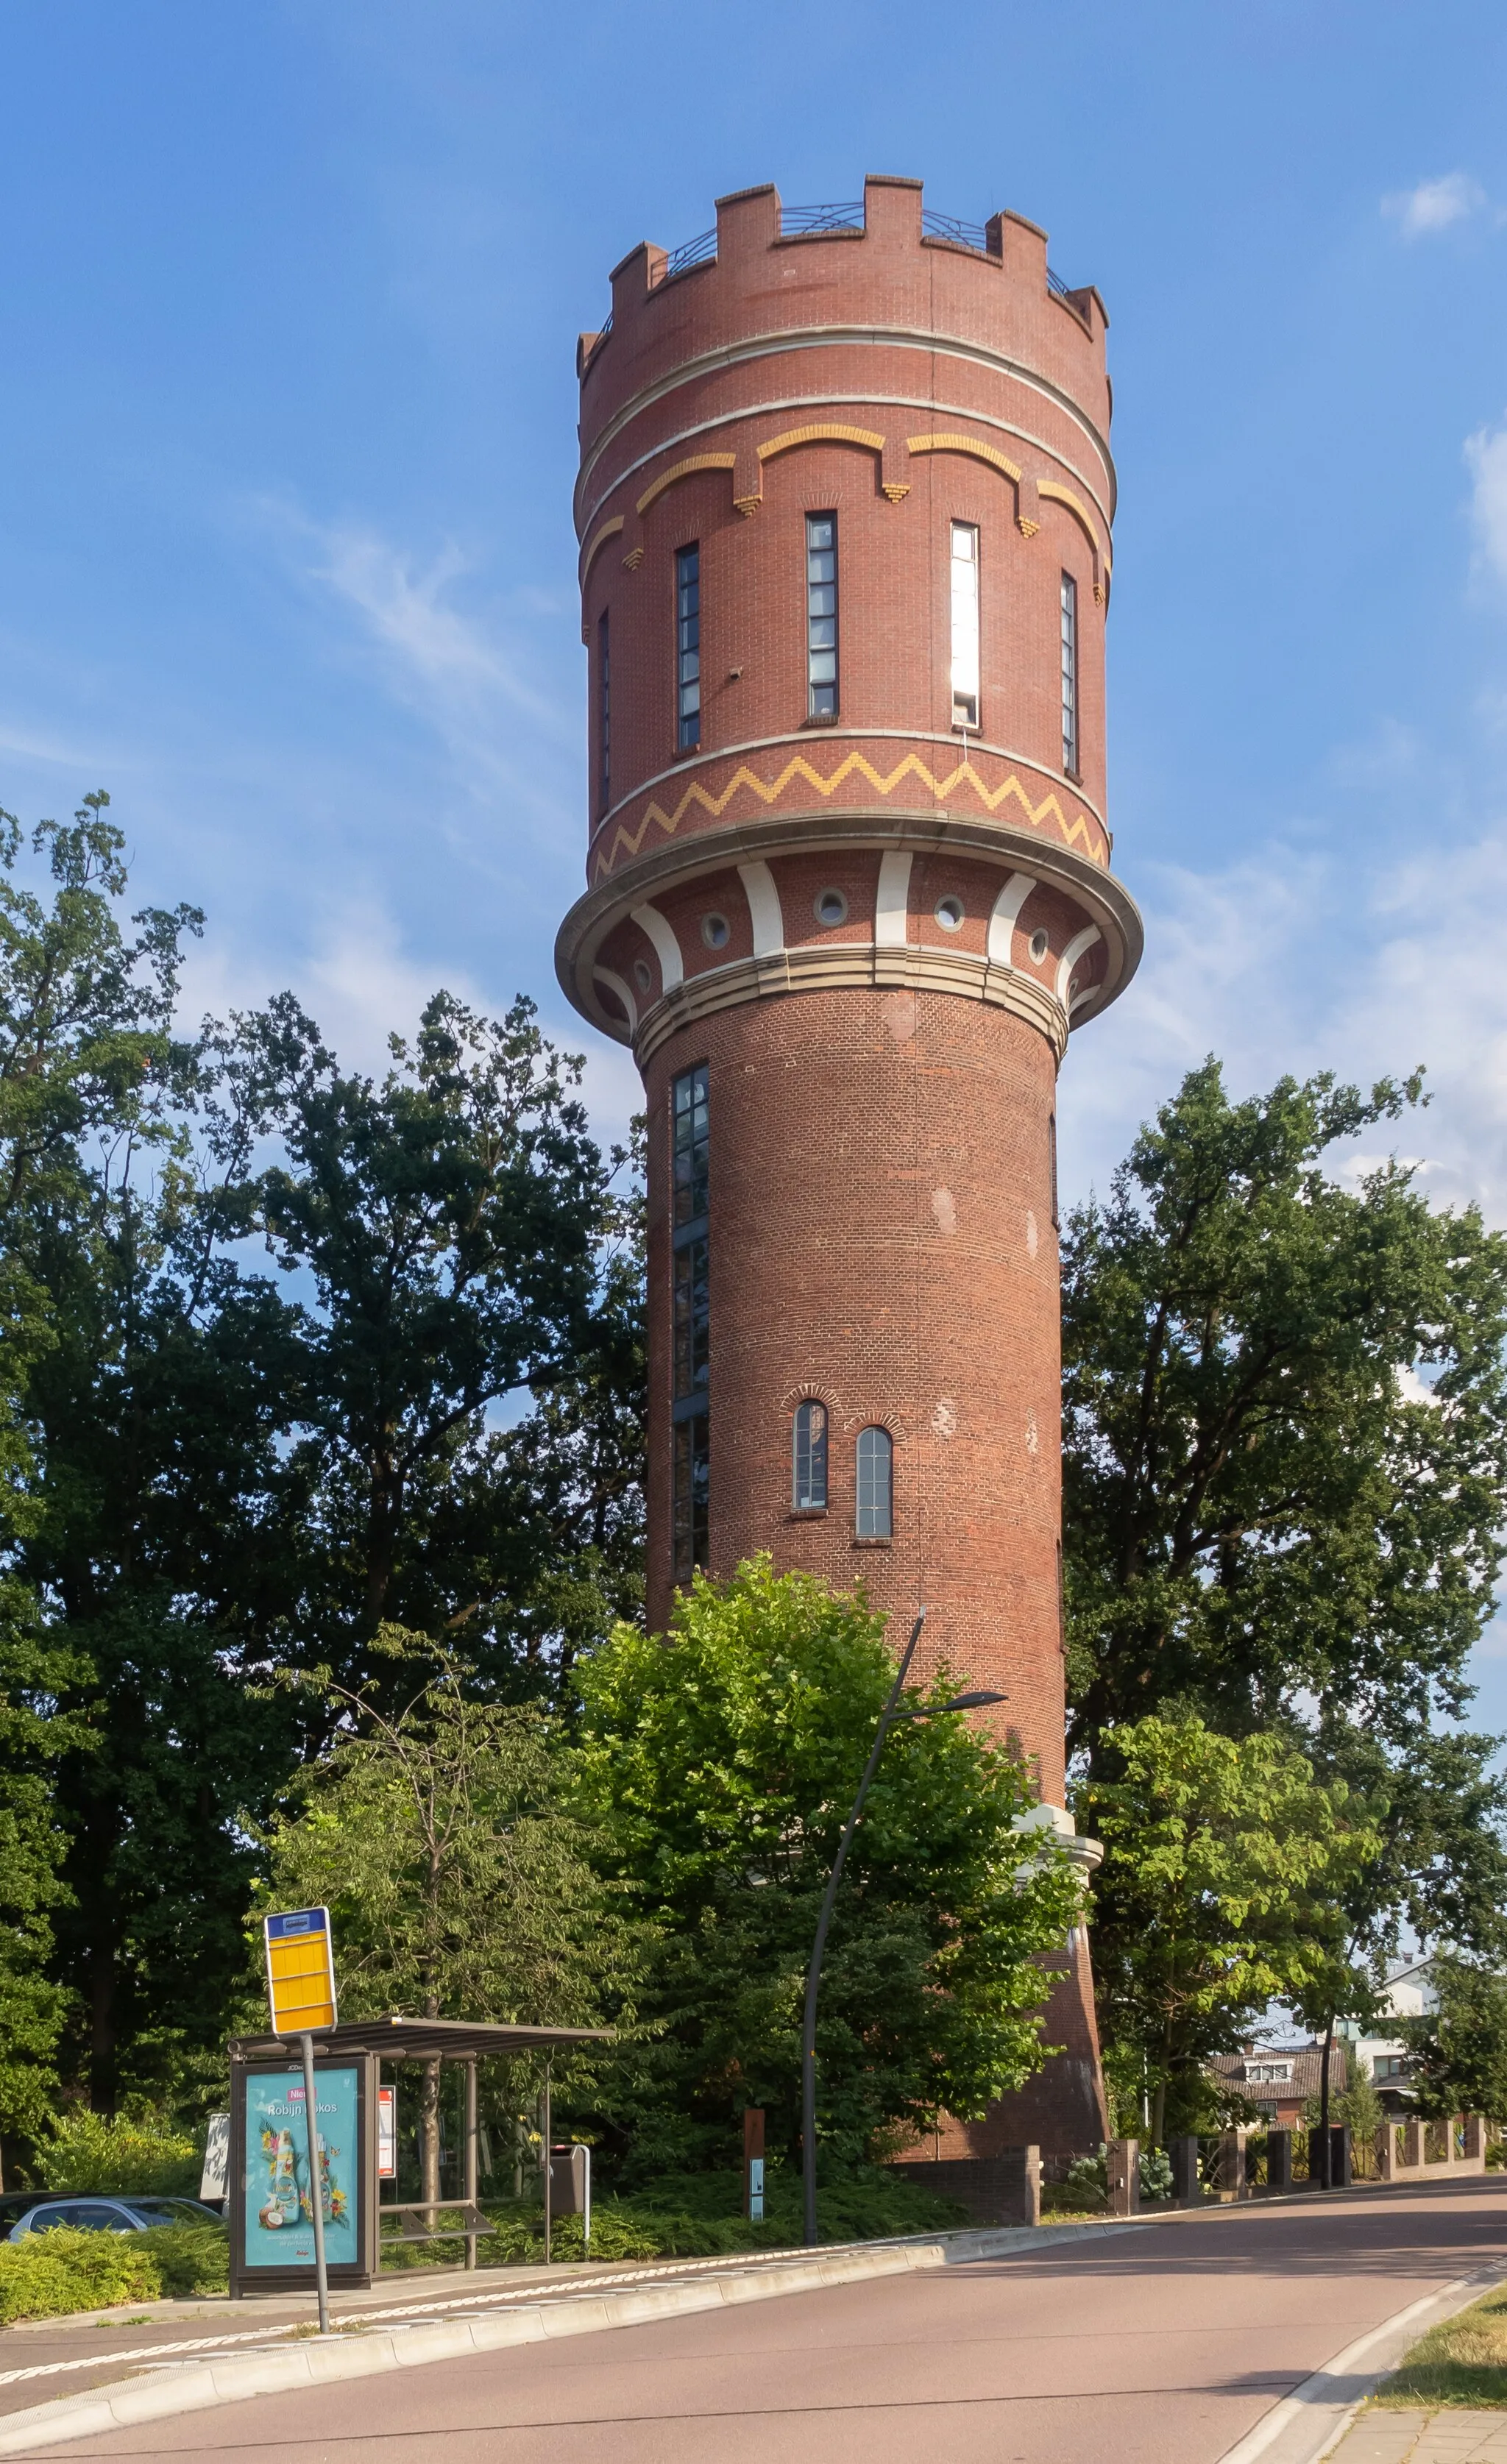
(1452, 2435)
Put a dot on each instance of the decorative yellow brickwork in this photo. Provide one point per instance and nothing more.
(1081, 514)
(1079, 830)
(823, 433)
(683, 470)
(980, 452)
(599, 539)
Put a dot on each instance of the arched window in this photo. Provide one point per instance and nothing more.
(809, 1458)
(875, 1484)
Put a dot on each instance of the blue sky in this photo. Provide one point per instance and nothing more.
(287, 438)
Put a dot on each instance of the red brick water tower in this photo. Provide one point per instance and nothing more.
(844, 508)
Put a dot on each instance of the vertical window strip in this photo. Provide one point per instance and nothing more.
(809, 1466)
(603, 712)
(687, 646)
(875, 1484)
(1070, 676)
(689, 1133)
(821, 615)
(692, 1319)
(692, 1496)
(963, 570)
(690, 1143)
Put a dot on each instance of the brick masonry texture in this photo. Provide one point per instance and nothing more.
(881, 1088)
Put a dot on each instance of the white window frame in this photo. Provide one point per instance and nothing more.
(963, 592)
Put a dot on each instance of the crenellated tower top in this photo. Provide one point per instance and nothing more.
(929, 391)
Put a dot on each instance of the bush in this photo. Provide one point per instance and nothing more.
(699, 2216)
(46, 2274)
(93, 2151)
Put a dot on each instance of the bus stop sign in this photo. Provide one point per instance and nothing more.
(301, 1971)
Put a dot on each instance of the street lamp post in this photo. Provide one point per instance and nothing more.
(889, 1717)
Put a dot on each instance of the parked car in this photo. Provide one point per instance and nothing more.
(13, 2204)
(111, 2216)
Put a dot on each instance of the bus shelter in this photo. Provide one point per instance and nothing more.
(270, 2210)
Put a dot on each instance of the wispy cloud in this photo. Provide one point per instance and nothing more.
(1486, 456)
(1435, 205)
(472, 669)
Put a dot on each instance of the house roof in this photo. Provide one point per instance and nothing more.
(1307, 2073)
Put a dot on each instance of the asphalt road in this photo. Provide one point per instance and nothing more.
(1163, 2347)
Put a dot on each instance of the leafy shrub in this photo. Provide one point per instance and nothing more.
(700, 2216)
(1086, 2188)
(46, 2274)
(93, 2151)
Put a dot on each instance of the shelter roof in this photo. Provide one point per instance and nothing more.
(405, 2039)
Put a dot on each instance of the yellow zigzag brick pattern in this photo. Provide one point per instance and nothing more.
(1076, 832)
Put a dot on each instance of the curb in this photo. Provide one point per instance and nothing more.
(319, 2362)
(1309, 2424)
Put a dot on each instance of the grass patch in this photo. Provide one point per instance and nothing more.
(699, 2216)
(46, 2276)
(1462, 2362)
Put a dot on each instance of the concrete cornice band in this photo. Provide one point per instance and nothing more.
(761, 346)
(896, 837)
(813, 968)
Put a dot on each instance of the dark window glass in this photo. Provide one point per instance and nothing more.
(1070, 676)
(689, 1129)
(603, 713)
(692, 1489)
(875, 1484)
(691, 1318)
(691, 1310)
(809, 1464)
(687, 646)
(1052, 1150)
(821, 615)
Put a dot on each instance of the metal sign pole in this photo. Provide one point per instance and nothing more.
(316, 2186)
(548, 2168)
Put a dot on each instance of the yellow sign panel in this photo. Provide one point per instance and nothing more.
(301, 1971)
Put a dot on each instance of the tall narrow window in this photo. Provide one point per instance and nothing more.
(1070, 676)
(692, 1321)
(603, 713)
(690, 1130)
(875, 1484)
(692, 1495)
(821, 615)
(965, 572)
(1051, 1153)
(809, 1466)
(687, 646)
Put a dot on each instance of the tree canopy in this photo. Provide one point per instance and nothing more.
(716, 1766)
(1285, 1462)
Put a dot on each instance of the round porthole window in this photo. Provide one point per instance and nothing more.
(1039, 943)
(950, 914)
(832, 907)
(643, 976)
(716, 932)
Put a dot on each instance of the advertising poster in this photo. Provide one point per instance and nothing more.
(279, 2220)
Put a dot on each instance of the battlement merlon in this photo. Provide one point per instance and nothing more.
(889, 266)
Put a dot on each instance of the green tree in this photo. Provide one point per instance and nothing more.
(456, 1876)
(89, 1073)
(470, 1254)
(1285, 1466)
(1459, 2048)
(716, 1766)
(1225, 1862)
